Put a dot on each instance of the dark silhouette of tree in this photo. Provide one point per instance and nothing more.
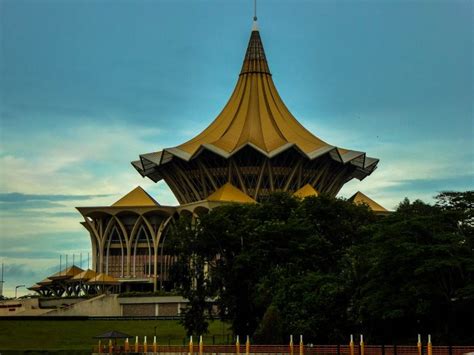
(324, 268)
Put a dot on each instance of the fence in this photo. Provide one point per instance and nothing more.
(284, 349)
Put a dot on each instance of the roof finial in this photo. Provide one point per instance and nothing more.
(255, 24)
(255, 10)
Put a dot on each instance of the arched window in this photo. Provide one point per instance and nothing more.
(115, 253)
(142, 254)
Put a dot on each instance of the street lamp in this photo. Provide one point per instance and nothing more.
(16, 289)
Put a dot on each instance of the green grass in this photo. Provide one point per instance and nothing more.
(78, 334)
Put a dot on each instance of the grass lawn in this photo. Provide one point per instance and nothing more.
(77, 334)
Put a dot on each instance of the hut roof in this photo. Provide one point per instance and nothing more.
(229, 192)
(136, 197)
(305, 191)
(360, 199)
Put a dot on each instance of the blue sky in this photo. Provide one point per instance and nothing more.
(86, 86)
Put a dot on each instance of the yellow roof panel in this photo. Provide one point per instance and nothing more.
(85, 275)
(359, 199)
(254, 114)
(135, 198)
(305, 191)
(45, 281)
(66, 273)
(229, 192)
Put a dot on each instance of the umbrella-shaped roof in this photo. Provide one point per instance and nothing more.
(113, 334)
(255, 116)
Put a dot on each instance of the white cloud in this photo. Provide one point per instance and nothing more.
(90, 159)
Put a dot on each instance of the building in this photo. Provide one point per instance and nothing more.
(254, 147)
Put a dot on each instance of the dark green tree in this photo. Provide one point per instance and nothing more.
(188, 273)
(324, 268)
(417, 276)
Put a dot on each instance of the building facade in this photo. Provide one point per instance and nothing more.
(254, 147)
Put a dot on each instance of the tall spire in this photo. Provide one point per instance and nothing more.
(255, 10)
(255, 60)
(255, 23)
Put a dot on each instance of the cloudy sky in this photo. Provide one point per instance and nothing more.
(86, 86)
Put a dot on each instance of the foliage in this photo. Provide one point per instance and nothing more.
(325, 268)
(188, 272)
(418, 276)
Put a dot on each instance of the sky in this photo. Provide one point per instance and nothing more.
(86, 86)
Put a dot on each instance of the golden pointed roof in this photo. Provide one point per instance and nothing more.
(254, 116)
(66, 273)
(45, 282)
(136, 197)
(103, 279)
(84, 276)
(229, 192)
(305, 191)
(360, 199)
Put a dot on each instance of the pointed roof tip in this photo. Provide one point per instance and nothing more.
(255, 61)
(255, 25)
(305, 191)
(85, 275)
(230, 193)
(360, 199)
(136, 198)
(68, 272)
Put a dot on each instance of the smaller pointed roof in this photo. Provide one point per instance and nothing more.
(136, 198)
(45, 282)
(84, 276)
(66, 273)
(305, 191)
(35, 287)
(103, 279)
(360, 199)
(229, 192)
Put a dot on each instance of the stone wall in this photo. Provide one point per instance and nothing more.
(168, 309)
(139, 310)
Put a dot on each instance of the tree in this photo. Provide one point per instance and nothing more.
(324, 268)
(418, 276)
(188, 273)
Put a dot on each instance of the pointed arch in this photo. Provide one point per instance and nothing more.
(142, 235)
(114, 234)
